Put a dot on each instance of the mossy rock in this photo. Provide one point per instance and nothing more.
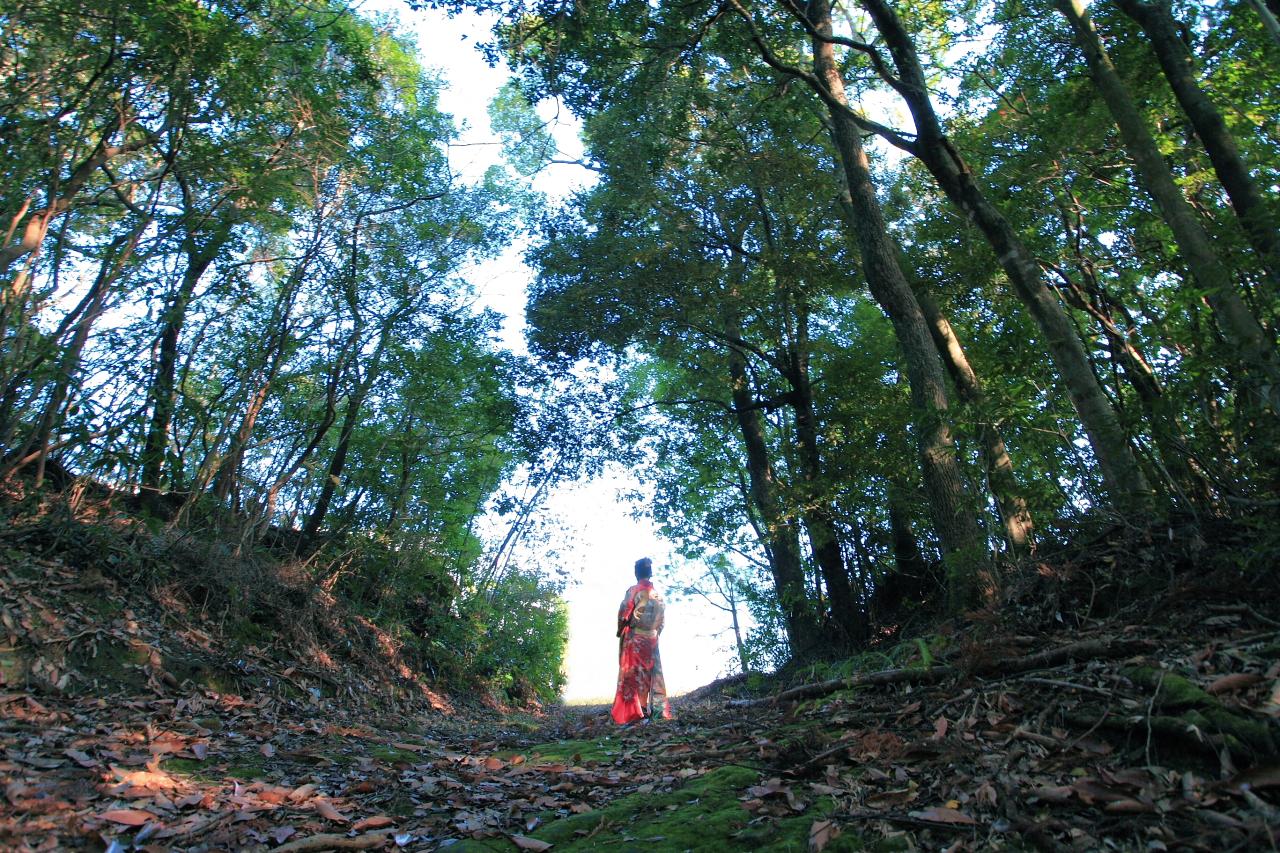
(704, 814)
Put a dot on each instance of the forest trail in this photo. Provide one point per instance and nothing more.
(1163, 738)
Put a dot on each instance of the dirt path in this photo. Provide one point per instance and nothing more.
(1059, 760)
(123, 729)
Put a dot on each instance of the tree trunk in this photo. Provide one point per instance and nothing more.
(163, 392)
(84, 315)
(1010, 503)
(846, 612)
(1241, 329)
(1178, 65)
(1122, 477)
(333, 475)
(781, 540)
(1269, 15)
(950, 506)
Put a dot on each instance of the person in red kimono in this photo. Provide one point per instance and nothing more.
(642, 691)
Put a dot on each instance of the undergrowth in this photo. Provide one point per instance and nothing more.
(410, 629)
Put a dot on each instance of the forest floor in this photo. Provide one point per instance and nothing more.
(1153, 727)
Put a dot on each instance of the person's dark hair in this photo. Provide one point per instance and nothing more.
(644, 568)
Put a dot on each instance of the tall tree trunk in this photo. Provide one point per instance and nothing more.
(163, 392)
(1178, 65)
(228, 471)
(1247, 338)
(781, 541)
(1010, 503)
(951, 509)
(818, 519)
(333, 474)
(1122, 476)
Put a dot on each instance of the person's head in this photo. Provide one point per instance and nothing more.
(644, 569)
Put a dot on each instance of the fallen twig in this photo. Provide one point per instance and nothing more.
(334, 841)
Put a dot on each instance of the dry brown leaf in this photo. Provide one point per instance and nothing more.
(374, 822)
(81, 758)
(821, 832)
(1091, 791)
(410, 747)
(940, 727)
(267, 749)
(1234, 681)
(492, 763)
(128, 817)
(942, 814)
(325, 809)
(524, 842)
(302, 793)
(1129, 806)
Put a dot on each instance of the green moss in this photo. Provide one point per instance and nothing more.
(600, 750)
(1188, 706)
(247, 767)
(189, 767)
(15, 664)
(1174, 691)
(705, 814)
(394, 755)
(97, 603)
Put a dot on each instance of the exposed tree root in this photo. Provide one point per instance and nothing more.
(1086, 649)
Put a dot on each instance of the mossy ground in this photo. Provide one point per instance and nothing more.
(706, 813)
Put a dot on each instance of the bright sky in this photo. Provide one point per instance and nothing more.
(601, 541)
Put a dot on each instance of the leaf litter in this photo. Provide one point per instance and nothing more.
(1163, 739)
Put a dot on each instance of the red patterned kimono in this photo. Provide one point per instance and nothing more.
(641, 686)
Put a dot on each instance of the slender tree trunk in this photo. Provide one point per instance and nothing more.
(818, 519)
(951, 508)
(781, 540)
(1178, 65)
(1245, 335)
(1010, 503)
(333, 475)
(163, 392)
(116, 257)
(228, 471)
(1121, 474)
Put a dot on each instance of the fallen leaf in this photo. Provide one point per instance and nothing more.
(821, 832)
(410, 747)
(128, 817)
(81, 758)
(1129, 806)
(524, 842)
(267, 749)
(492, 763)
(1234, 681)
(302, 793)
(942, 814)
(325, 809)
(282, 833)
(940, 726)
(200, 749)
(374, 822)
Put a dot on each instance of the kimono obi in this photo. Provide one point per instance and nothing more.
(647, 612)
